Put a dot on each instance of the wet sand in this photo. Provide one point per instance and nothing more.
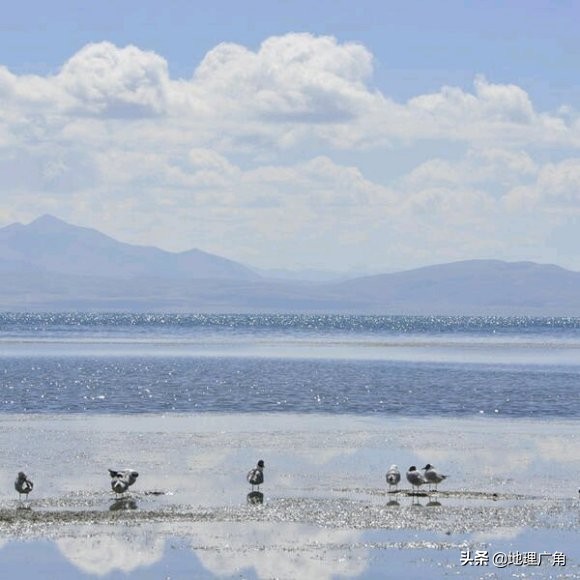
(325, 510)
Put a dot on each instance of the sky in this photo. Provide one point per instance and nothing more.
(356, 137)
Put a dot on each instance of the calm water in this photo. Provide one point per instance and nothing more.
(405, 366)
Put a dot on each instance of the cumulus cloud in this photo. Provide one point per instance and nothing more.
(492, 112)
(479, 166)
(283, 148)
(124, 82)
(504, 103)
(292, 78)
(292, 88)
(561, 181)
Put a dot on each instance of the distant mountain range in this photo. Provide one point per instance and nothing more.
(51, 245)
(54, 266)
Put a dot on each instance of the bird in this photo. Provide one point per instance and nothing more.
(129, 474)
(393, 476)
(256, 476)
(119, 485)
(415, 478)
(432, 476)
(122, 479)
(23, 485)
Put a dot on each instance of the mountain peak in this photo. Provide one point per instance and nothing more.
(47, 221)
(53, 245)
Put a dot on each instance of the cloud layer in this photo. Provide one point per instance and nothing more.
(289, 155)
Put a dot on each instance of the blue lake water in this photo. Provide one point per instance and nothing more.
(329, 401)
(387, 365)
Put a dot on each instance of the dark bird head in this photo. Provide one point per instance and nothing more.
(21, 475)
(261, 464)
(428, 466)
(412, 468)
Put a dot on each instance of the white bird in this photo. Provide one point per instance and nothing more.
(23, 485)
(256, 476)
(415, 478)
(393, 476)
(432, 476)
(122, 479)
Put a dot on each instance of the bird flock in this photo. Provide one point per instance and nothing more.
(123, 479)
(428, 475)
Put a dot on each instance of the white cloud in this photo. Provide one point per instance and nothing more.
(117, 82)
(493, 113)
(292, 78)
(293, 89)
(556, 188)
(560, 182)
(479, 166)
(283, 151)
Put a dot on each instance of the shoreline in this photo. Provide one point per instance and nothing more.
(512, 485)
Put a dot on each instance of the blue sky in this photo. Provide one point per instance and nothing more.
(419, 45)
(363, 137)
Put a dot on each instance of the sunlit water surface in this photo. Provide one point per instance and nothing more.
(325, 511)
(405, 366)
(329, 402)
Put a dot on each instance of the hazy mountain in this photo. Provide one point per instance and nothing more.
(51, 245)
(311, 274)
(51, 265)
(472, 286)
(306, 275)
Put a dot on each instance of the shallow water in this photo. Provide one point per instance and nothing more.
(217, 551)
(329, 402)
(326, 512)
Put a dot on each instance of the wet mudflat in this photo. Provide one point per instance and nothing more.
(324, 510)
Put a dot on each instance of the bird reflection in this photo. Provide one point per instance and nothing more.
(415, 500)
(123, 504)
(255, 497)
(393, 503)
(433, 503)
(24, 507)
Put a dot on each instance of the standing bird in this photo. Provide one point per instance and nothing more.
(256, 476)
(123, 479)
(119, 485)
(432, 476)
(393, 476)
(23, 485)
(415, 478)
